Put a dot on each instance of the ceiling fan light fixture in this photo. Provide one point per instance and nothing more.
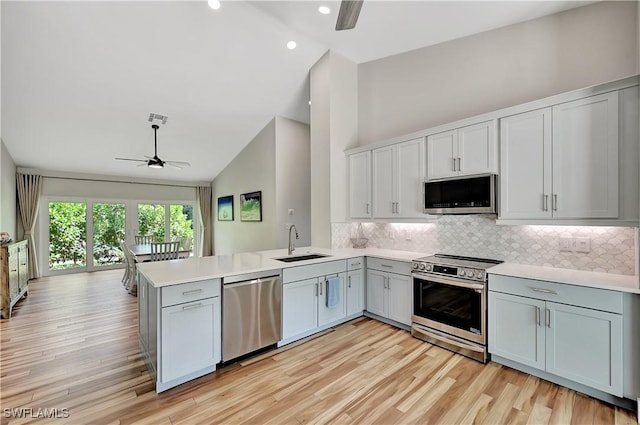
(154, 164)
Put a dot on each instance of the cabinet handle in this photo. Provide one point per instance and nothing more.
(544, 291)
(316, 289)
(367, 207)
(192, 306)
(321, 284)
(386, 266)
(14, 270)
(459, 164)
(538, 315)
(193, 292)
(349, 282)
(548, 318)
(397, 207)
(545, 202)
(454, 163)
(554, 203)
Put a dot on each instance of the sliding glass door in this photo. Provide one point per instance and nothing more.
(86, 235)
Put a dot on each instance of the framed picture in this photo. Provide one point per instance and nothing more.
(251, 206)
(225, 208)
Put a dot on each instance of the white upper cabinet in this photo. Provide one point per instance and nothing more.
(360, 185)
(398, 175)
(561, 162)
(525, 165)
(464, 151)
(585, 158)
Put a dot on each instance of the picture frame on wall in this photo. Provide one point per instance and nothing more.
(251, 206)
(225, 208)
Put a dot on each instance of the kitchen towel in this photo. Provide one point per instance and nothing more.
(333, 292)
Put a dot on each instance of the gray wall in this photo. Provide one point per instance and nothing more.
(8, 196)
(276, 162)
(439, 84)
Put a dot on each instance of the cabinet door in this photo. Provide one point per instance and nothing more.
(23, 268)
(585, 158)
(299, 307)
(585, 346)
(441, 151)
(400, 294)
(326, 314)
(516, 329)
(376, 292)
(143, 311)
(525, 165)
(411, 164)
(477, 149)
(187, 348)
(383, 182)
(14, 277)
(355, 292)
(360, 185)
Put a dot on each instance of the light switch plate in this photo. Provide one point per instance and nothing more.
(583, 245)
(566, 244)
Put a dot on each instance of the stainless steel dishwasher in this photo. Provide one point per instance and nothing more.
(251, 313)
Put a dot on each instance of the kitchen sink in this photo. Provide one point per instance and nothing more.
(301, 257)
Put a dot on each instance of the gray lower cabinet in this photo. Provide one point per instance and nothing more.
(180, 330)
(571, 332)
(390, 289)
(355, 286)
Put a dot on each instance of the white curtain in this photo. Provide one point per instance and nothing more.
(29, 189)
(203, 196)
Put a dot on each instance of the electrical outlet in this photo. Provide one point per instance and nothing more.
(291, 211)
(583, 245)
(566, 244)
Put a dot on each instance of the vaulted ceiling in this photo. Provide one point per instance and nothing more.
(79, 79)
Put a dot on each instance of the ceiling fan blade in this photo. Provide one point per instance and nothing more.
(173, 165)
(141, 165)
(348, 14)
(130, 159)
(184, 164)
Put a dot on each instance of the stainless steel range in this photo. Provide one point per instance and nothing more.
(450, 303)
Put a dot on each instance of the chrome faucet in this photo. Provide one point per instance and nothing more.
(291, 246)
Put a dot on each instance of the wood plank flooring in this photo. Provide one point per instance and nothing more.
(72, 344)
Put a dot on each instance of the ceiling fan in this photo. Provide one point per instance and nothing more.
(348, 14)
(155, 162)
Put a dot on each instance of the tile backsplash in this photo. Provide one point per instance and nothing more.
(612, 249)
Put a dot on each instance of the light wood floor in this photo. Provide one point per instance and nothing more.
(72, 344)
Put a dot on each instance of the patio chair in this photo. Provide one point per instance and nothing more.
(162, 251)
(144, 239)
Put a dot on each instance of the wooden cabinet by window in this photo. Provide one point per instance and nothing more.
(14, 275)
(464, 151)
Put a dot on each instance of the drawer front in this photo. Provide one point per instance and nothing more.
(294, 274)
(393, 266)
(192, 291)
(355, 263)
(594, 298)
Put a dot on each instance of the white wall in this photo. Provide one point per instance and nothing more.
(293, 181)
(439, 84)
(334, 128)
(8, 196)
(252, 170)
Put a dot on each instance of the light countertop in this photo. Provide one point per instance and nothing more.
(164, 273)
(614, 282)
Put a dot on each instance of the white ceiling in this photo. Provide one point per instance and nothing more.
(79, 79)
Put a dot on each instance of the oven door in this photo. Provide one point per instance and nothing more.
(451, 306)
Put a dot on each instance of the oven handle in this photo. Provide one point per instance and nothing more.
(448, 340)
(448, 281)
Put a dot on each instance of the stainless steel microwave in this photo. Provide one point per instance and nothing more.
(461, 195)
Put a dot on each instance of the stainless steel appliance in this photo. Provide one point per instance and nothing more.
(251, 313)
(450, 303)
(461, 195)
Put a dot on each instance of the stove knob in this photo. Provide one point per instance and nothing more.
(461, 273)
(415, 266)
(428, 267)
(479, 275)
(469, 273)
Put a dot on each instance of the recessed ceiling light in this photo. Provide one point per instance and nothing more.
(324, 10)
(291, 45)
(214, 4)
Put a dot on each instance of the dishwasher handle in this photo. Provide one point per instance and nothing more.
(251, 282)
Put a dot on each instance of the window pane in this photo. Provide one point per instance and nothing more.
(151, 221)
(67, 235)
(182, 225)
(108, 231)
